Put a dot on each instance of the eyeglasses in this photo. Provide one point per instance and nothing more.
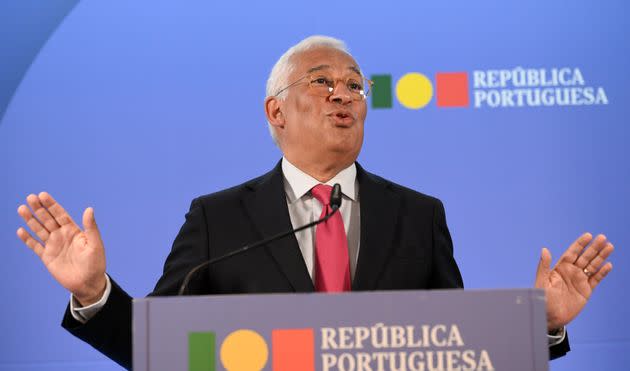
(324, 86)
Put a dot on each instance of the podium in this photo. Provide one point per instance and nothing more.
(358, 331)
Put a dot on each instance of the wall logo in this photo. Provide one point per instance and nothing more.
(517, 87)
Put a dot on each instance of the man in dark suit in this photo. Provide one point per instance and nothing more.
(392, 237)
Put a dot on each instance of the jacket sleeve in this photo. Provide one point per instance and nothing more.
(559, 350)
(109, 331)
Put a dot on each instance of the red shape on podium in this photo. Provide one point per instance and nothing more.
(293, 349)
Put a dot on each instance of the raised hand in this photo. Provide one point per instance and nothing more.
(569, 285)
(74, 257)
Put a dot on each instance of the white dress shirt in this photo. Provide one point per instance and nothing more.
(304, 208)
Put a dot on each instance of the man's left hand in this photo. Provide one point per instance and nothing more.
(569, 285)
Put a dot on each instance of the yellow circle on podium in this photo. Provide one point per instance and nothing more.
(414, 90)
(244, 350)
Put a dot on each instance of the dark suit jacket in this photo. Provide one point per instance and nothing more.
(405, 244)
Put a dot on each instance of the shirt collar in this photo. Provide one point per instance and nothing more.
(297, 183)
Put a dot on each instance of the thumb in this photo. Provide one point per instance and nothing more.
(544, 267)
(89, 225)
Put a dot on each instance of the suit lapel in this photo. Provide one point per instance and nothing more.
(266, 205)
(379, 211)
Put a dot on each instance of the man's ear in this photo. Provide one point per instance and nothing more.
(273, 111)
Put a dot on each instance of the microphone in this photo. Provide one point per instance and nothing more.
(335, 204)
(335, 198)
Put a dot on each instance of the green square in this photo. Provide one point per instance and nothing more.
(201, 351)
(382, 91)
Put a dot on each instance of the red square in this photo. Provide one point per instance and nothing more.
(293, 350)
(452, 89)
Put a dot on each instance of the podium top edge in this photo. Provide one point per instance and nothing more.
(529, 292)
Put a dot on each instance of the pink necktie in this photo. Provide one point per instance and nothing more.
(332, 265)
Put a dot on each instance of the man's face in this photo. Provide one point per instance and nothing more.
(318, 128)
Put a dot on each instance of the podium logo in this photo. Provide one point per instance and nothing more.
(247, 350)
(494, 88)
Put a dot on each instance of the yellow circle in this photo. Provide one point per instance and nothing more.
(244, 350)
(414, 90)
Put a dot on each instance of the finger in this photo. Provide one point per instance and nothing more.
(544, 267)
(90, 227)
(58, 212)
(41, 213)
(32, 243)
(572, 253)
(33, 223)
(595, 264)
(595, 279)
(591, 251)
(89, 222)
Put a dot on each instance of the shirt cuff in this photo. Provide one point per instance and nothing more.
(558, 337)
(84, 314)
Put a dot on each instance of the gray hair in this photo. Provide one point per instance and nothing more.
(278, 78)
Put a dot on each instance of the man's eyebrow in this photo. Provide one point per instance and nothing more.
(355, 69)
(318, 68)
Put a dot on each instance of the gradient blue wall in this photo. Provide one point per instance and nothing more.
(137, 107)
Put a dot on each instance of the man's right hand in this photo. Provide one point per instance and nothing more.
(74, 257)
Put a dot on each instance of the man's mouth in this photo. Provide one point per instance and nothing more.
(343, 118)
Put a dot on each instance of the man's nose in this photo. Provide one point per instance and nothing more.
(341, 94)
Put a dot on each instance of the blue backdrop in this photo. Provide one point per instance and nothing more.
(119, 105)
